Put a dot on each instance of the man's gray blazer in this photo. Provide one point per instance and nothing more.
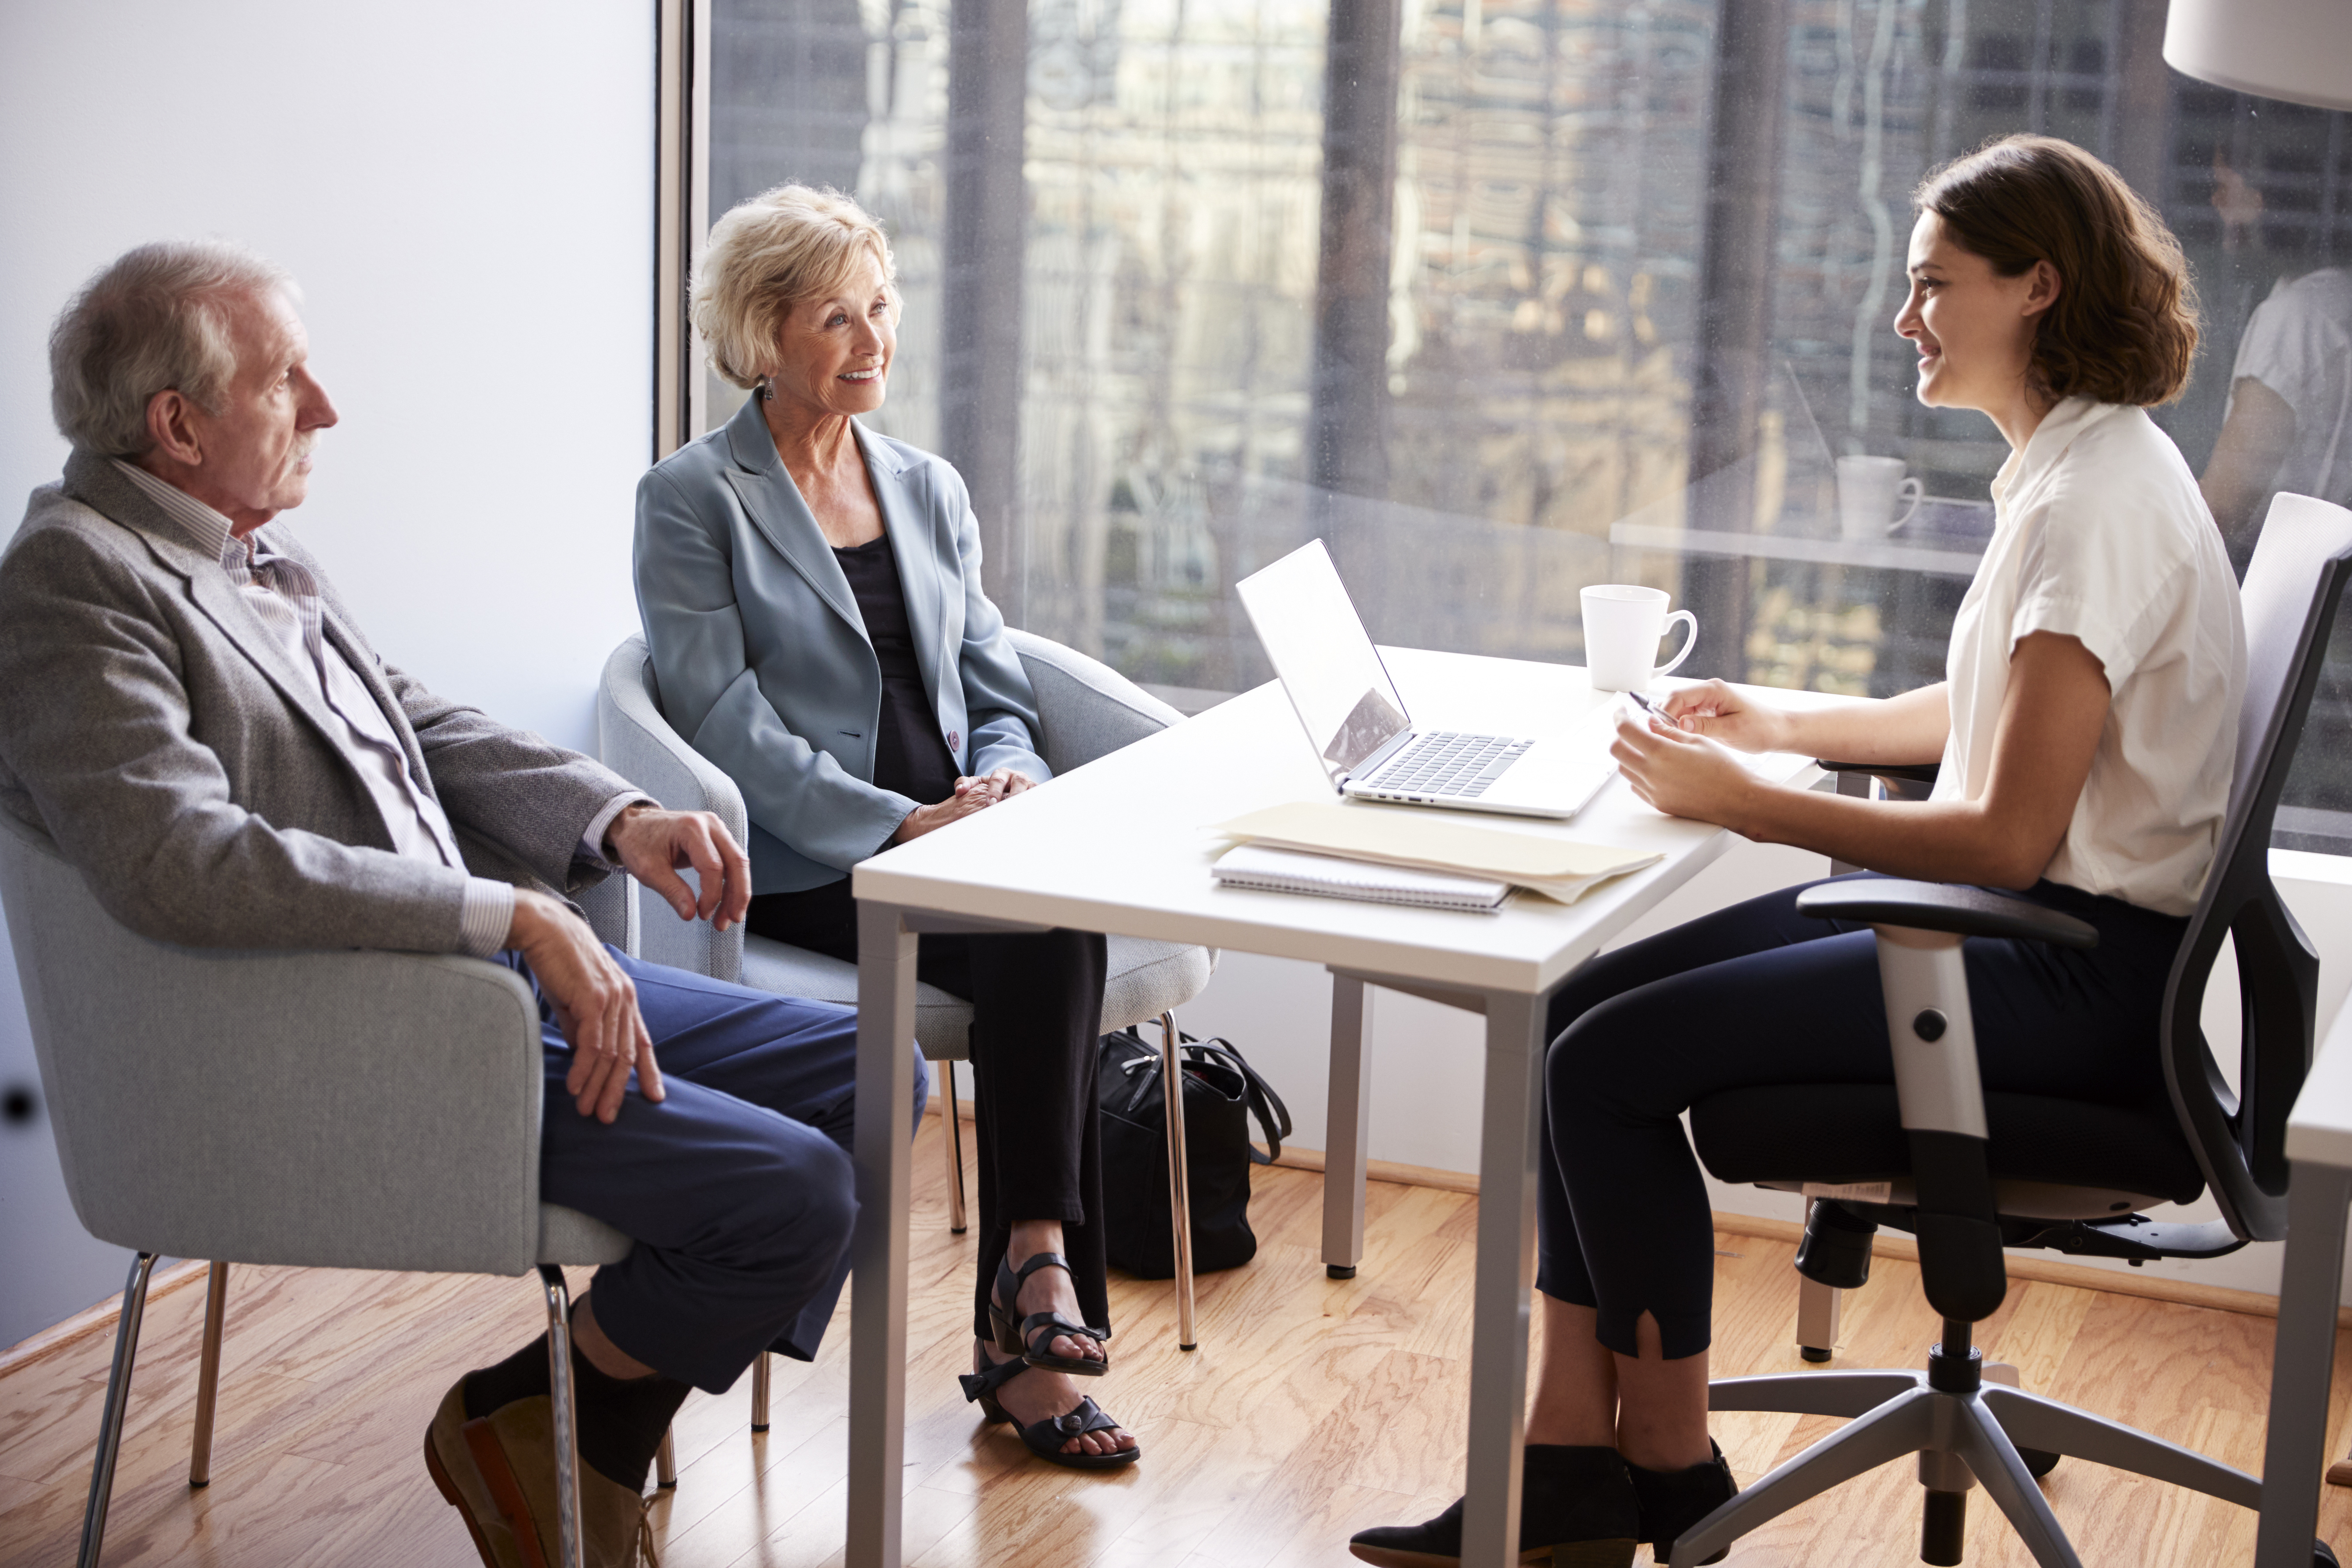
(159, 733)
(762, 660)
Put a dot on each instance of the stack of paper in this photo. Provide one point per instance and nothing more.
(1558, 869)
(1329, 877)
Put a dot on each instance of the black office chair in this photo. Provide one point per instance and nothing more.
(1970, 1173)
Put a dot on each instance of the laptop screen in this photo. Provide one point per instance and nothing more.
(1319, 649)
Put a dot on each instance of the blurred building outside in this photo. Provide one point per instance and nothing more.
(1580, 266)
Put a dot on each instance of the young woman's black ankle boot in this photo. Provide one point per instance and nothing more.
(1670, 1501)
(1577, 1510)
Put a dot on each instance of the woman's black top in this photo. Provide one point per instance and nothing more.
(908, 754)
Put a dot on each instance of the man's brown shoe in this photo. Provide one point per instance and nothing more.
(451, 1462)
(513, 1447)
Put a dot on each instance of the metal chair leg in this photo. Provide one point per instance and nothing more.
(666, 1459)
(953, 1143)
(118, 1396)
(200, 1456)
(1817, 1319)
(760, 1392)
(1179, 1192)
(567, 1415)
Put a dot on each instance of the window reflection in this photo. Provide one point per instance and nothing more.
(1498, 296)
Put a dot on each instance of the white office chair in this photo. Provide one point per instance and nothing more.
(1085, 709)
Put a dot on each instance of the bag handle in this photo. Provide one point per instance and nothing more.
(1273, 1115)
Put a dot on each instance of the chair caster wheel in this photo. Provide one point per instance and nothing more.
(1815, 1353)
(1340, 1270)
(2039, 1462)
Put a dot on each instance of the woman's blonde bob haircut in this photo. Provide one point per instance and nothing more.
(770, 253)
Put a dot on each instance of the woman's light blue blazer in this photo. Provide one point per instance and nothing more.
(762, 660)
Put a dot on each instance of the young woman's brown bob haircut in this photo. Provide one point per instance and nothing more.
(2124, 329)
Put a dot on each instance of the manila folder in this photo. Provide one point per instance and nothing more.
(1558, 869)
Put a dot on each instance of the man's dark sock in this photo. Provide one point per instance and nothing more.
(519, 1376)
(622, 1419)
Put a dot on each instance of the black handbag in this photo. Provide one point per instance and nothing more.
(1222, 1092)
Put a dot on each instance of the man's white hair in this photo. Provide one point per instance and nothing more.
(155, 317)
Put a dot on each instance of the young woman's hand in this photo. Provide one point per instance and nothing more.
(1681, 773)
(1714, 710)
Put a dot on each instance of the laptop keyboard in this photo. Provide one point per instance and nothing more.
(1445, 765)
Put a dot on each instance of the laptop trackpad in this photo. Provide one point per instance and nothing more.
(1560, 775)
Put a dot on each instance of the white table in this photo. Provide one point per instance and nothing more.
(1122, 846)
(2303, 1357)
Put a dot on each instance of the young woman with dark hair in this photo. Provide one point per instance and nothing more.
(2086, 736)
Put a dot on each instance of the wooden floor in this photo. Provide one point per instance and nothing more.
(1312, 1409)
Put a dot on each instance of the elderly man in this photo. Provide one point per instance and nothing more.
(193, 717)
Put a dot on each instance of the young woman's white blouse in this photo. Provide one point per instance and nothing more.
(2101, 534)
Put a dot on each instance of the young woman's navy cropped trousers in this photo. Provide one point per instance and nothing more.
(1757, 994)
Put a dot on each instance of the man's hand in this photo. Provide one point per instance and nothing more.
(654, 846)
(595, 1004)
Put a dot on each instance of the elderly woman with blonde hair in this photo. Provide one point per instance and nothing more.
(812, 596)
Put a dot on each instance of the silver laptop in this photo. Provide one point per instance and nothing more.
(1359, 726)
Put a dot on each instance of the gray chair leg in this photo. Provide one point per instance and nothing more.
(1817, 1319)
(1893, 1429)
(666, 1460)
(953, 1143)
(118, 1396)
(200, 1456)
(2030, 1421)
(1987, 1451)
(1179, 1192)
(567, 1415)
(1846, 1394)
(759, 1392)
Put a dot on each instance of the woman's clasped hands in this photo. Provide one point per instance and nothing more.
(972, 795)
(1678, 757)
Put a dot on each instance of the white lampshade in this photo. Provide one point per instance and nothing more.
(2298, 50)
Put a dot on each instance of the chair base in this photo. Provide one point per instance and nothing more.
(1964, 1432)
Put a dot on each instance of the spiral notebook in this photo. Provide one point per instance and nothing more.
(1329, 877)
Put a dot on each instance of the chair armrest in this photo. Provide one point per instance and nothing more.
(1946, 907)
(345, 1110)
(1916, 773)
(1087, 709)
(635, 739)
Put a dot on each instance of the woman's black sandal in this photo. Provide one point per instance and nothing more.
(1045, 1439)
(1028, 1340)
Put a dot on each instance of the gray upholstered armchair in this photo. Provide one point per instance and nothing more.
(333, 1109)
(1087, 710)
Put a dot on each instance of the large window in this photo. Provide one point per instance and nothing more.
(1499, 297)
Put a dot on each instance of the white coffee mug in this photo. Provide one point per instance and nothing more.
(1622, 623)
(1868, 488)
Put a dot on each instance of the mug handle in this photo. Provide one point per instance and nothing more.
(1690, 623)
(1916, 492)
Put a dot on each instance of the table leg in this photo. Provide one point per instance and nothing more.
(1350, 1125)
(1506, 1273)
(2301, 1360)
(878, 1297)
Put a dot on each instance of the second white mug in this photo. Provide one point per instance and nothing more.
(1868, 490)
(1622, 623)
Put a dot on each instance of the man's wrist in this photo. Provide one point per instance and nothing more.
(486, 919)
(605, 825)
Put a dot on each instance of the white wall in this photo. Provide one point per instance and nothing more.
(466, 193)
